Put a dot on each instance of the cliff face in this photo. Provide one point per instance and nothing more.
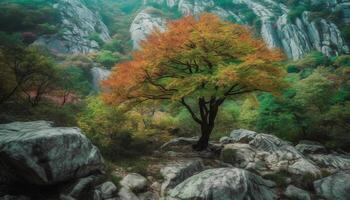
(81, 29)
(296, 37)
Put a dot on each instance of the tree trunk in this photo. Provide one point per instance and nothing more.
(203, 141)
(208, 112)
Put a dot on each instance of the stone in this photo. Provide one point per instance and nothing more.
(293, 192)
(178, 171)
(80, 188)
(266, 154)
(78, 23)
(134, 182)
(148, 196)
(98, 75)
(10, 197)
(239, 155)
(126, 194)
(107, 190)
(144, 23)
(332, 162)
(336, 186)
(296, 37)
(179, 141)
(242, 135)
(39, 154)
(308, 147)
(224, 184)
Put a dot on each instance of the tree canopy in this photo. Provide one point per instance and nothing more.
(204, 59)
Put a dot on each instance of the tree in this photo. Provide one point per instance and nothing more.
(24, 70)
(200, 63)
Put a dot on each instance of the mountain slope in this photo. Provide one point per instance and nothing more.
(81, 29)
(297, 28)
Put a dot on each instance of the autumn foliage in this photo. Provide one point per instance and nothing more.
(197, 59)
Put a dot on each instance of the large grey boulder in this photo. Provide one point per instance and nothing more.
(293, 192)
(224, 184)
(176, 172)
(134, 182)
(37, 153)
(126, 194)
(106, 190)
(10, 197)
(336, 186)
(266, 154)
(332, 162)
(242, 135)
(310, 147)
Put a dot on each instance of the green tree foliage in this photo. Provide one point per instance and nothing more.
(315, 108)
(108, 59)
(28, 16)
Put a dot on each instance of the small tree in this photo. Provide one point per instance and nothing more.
(200, 63)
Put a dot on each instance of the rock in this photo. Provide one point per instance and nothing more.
(266, 154)
(296, 37)
(98, 75)
(80, 189)
(144, 23)
(176, 172)
(134, 182)
(224, 184)
(308, 147)
(107, 190)
(304, 167)
(127, 194)
(156, 187)
(148, 196)
(39, 154)
(10, 197)
(78, 23)
(242, 135)
(293, 192)
(179, 141)
(336, 186)
(332, 162)
(239, 155)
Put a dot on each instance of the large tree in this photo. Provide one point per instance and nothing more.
(199, 62)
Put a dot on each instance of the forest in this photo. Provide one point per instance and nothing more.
(173, 95)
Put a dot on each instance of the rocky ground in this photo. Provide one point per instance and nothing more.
(38, 161)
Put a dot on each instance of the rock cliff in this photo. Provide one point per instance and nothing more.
(296, 37)
(81, 29)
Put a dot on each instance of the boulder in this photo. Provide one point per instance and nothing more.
(107, 190)
(332, 162)
(336, 186)
(134, 182)
(176, 172)
(239, 155)
(224, 184)
(179, 141)
(293, 192)
(10, 197)
(39, 154)
(266, 154)
(148, 196)
(242, 135)
(80, 189)
(126, 194)
(309, 147)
